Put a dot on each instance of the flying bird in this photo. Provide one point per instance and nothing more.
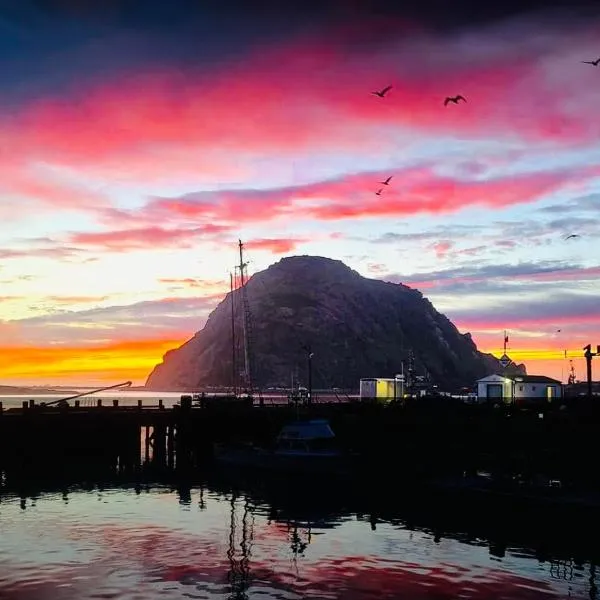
(383, 92)
(387, 181)
(378, 192)
(592, 62)
(454, 99)
(573, 235)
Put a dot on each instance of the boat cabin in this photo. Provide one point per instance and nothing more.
(306, 437)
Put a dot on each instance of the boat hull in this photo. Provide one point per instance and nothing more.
(259, 459)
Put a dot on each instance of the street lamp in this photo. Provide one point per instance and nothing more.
(309, 355)
(399, 378)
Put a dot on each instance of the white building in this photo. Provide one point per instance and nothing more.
(495, 388)
(518, 387)
(537, 386)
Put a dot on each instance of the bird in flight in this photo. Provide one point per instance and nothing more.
(378, 192)
(573, 235)
(592, 62)
(383, 92)
(387, 181)
(454, 99)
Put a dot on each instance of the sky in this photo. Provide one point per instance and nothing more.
(140, 140)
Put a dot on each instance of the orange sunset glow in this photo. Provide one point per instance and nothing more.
(135, 154)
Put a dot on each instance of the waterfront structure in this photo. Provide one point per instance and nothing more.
(381, 389)
(518, 387)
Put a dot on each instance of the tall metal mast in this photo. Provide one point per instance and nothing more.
(245, 320)
(233, 361)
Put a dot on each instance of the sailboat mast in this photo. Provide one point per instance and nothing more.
(244, 315)
(233, 365)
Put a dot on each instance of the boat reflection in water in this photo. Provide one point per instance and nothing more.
(235, 535)
(304, 446)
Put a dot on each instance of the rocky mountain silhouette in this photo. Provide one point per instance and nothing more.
(356, 327)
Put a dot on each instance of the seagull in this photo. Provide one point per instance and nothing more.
(378, 192)
(592, 62)
(454, 99)
(573, 235)
(387, 181)
(383, 92)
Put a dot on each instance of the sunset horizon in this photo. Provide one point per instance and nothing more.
(137, 148)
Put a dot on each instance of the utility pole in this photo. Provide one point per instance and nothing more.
(588, 359)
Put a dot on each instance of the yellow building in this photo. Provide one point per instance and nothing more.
(380, 389)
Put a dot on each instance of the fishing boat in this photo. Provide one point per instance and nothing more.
(303, 446)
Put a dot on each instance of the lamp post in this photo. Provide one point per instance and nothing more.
(309, 355)
(399, 378)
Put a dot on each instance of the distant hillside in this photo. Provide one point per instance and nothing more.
(11, 390)
(357, 327)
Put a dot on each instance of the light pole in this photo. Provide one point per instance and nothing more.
(309, 355)
(399, 378)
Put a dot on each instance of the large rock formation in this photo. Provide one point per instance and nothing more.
(356, 327)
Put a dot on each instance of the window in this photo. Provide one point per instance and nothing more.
(533, 388)
(520, 388)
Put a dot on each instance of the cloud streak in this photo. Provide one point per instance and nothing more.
(422, 190)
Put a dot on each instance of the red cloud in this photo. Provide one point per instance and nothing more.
(275, 246)
(145, 237)
(75, 299)
(422, 190)
(59, 252)
(189, 282)
(312, 93)
(442, 248)
(33, 192)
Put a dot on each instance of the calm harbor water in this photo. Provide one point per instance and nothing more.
(150, 541)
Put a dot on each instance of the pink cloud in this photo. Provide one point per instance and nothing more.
(275, 246)
(422, 190)
(146, 237)
(442, 248)
(308, 94)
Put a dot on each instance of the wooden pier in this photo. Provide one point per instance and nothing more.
(427, 435)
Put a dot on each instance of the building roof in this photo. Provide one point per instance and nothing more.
(494, 378)
(534, 379)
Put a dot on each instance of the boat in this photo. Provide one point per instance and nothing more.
(303, 446)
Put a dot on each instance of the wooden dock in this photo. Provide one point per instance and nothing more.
(427, 434)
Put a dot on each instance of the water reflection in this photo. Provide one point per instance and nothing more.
(245, 539)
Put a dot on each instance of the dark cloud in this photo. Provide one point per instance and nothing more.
(560, 307)
(588, 203)
(159, 14)
(47, 45)
(141, 320)
(492, 271)
(504, 280)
